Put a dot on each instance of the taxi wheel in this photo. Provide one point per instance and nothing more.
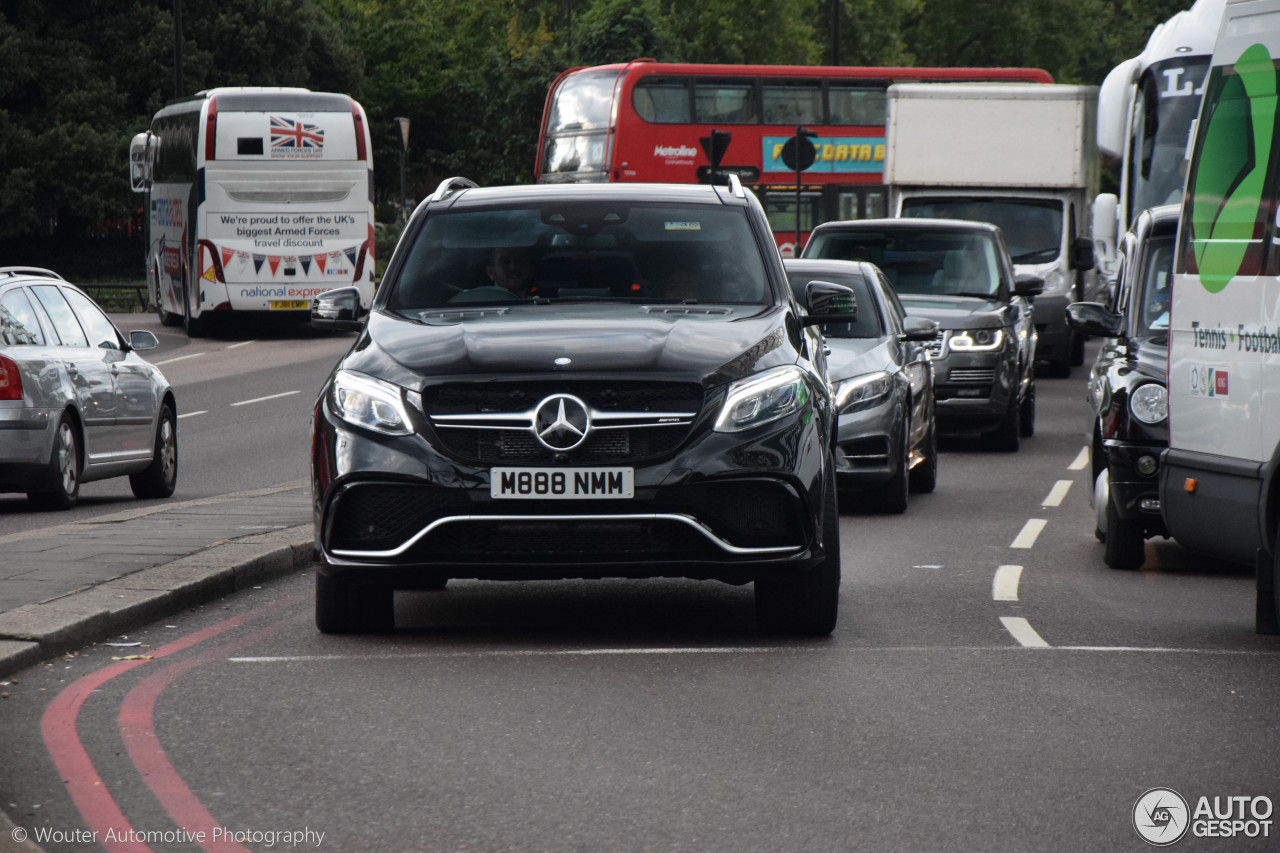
(1126, 547)
(806, 604)
(343, 607)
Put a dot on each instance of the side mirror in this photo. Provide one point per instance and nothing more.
(1095, 319)
(827, 302)
(1106, 233)
(141, 339)
(919, 329)
(1026, 284)
(337, 311)
(139, 163)
(1082, 257)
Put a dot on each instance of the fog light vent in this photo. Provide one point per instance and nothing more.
(1147, 465)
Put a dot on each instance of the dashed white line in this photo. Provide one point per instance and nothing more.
(193, 414)
(1081, 461)
(269, 397)
(1005, 585)
(1057, 493)
(1030, 530)
(241, 344)
(178, 358)
(1023, 632)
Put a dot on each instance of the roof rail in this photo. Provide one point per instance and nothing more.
(33, 271)
(735, 184)
(449, 185)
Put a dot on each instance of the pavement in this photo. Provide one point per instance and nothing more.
(82, 582)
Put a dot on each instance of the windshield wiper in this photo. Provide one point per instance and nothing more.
(974, 295)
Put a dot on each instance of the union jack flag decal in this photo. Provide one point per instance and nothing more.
(287, 133)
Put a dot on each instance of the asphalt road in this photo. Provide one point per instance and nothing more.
(991, 686)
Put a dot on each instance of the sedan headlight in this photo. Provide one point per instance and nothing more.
(860, 392)
(764, 397)
(976, 340)
(370, 403)
(1149, 403)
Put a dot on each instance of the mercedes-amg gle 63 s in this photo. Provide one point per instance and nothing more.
(580, 381)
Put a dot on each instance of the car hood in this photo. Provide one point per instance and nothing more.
(959, 312)
(856, 356)
(707, 344)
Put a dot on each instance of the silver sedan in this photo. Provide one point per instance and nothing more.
(76, 401)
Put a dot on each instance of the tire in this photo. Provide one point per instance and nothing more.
(63, 477)
(1006, 437)
(343, 607)
(892, 497)
(1077, 350)
(197, 327)
(1027, 416)
(167, 318)
(806, 604)
(1267, 609)
(924, 477)
(1125, 547)
(161, 476)
(1061, 369)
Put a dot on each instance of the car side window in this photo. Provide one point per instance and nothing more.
(102, 332)
(64, 319)
(891, 296)
(18, 323)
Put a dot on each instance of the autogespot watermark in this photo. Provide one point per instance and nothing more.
(305, 837)
(1162, 817)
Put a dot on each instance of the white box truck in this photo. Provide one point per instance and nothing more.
(1021, 156)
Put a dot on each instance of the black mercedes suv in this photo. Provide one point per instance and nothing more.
(580, 381)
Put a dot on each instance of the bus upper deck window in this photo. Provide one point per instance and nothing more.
(724, 101)
(857, 105)
(663, 100)
(792, 103)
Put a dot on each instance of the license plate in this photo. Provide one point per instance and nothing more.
(562, 483)
(289, 304)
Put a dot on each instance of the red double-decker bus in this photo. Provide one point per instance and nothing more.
(643, 121)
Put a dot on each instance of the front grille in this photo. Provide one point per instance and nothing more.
(569, 541)
(745, 513)
(492, 422)
(983, 376)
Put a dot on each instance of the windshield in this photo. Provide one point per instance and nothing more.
(919, 262)
(581, 251)
(1156, 286)
(1167, 104)
(1032, 227)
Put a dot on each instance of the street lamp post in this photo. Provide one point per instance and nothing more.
(404, 149)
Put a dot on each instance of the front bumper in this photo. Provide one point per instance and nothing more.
(1136, 496)
(973, 391)
(734, 507)
(868, 442)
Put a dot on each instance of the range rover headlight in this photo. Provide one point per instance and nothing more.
(1149, 403)
(765, 397)
(976, 340)
(370, 403)
(859, 392)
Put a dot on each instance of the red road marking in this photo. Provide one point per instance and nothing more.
(99, 809)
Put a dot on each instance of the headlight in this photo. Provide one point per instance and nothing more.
(765, 397)
(370, 403)
(976, 340)
(1149, 403)
(860, 392)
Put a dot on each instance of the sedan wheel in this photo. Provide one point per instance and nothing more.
(160, 478)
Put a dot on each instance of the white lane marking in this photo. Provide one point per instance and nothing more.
(1023, 632)
(1005, 585)
(193, 414)
(1030, 530)
(861, 650)
(269, 397)
(178, 358)
(928, 567)
(1057, 493)
(1081, 460)
(241, 344)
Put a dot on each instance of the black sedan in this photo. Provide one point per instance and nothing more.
(882, 380)
(1127, 388)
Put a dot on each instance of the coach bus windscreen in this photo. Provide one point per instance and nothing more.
(1167, 104)
(578, 125)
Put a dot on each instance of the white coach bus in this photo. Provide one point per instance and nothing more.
(258, 199)
(1220, 481)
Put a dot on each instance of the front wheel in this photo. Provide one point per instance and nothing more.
(924, 477)
(343, 607)
(1027, 416)
(892, 497)
(161, 476)
(808, 603)
(1125, 545)
(62, 480)
(1005, 438)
